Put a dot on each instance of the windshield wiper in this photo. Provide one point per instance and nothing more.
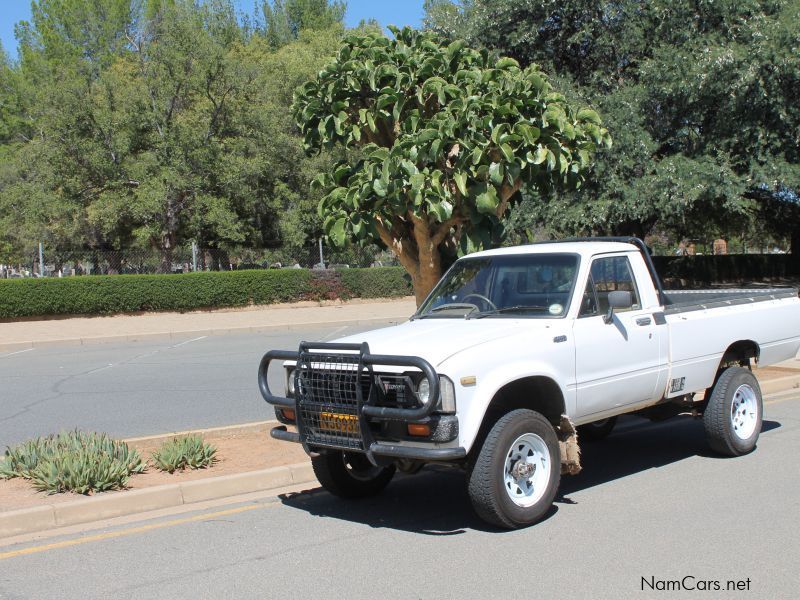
(452, 305)
(497, 311)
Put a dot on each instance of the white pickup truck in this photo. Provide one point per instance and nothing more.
(511, 352)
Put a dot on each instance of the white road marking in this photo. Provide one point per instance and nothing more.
(108, 366)
(202, 337)
(333, 333)
(17, 352)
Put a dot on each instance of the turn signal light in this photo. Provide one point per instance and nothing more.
(288, 414)
(419, 429)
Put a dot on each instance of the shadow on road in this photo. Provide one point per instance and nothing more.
(435, 502)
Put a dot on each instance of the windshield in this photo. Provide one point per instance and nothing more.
(528, 285)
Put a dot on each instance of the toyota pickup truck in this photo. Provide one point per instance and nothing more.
(515, 355)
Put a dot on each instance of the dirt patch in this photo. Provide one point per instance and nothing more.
(238, 452)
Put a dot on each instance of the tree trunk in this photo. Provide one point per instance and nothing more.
(166, 249)
(425, 279)
(169, 234)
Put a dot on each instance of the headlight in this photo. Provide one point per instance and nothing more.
(424, 391)
(447, 394)
(290, 383)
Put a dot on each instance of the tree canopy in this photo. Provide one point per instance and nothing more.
(151, 124)
(446, 138)
(700, 98)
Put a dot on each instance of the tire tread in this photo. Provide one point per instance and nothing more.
(716, 418)
(482, 491)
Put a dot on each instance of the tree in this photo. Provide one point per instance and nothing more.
(446, 138)
(285, 19)
(700, 98)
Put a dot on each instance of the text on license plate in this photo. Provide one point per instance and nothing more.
(338, 422)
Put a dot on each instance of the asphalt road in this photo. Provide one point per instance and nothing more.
(652, 506)
(141, 388)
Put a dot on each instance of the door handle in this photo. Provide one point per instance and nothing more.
(643, 321)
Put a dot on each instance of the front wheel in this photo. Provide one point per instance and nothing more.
(517, 471)
(733, 415)
(350, 474)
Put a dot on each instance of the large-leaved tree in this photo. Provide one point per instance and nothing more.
(442, 138)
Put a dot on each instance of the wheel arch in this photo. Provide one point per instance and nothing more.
(534, 392)
(740, 352)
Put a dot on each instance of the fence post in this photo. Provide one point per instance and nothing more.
(194, 257)
(41, 260)
(321, 260)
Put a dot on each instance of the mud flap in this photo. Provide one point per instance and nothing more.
(568, 445)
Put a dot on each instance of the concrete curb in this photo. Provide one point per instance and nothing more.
(180, 335)
(50, 516)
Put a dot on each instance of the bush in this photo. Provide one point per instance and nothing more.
(105, 294)
(73, 461)
(186, 452)
(380, 282)
(703, 270)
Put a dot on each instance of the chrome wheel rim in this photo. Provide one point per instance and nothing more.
(526, 470)
(744, 412)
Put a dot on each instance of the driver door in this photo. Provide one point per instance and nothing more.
(618, 363)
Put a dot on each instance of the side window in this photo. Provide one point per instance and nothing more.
(610, 275)
(589, 300)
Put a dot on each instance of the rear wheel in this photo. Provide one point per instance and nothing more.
(350, 474)
(733, 415)
(517, 471)
(597, 430)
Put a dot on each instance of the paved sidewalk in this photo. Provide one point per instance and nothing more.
(20, 335)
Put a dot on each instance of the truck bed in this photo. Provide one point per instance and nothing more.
(679, 301)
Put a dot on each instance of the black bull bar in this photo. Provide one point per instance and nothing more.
(358, 362)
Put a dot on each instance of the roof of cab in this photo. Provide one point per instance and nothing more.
(584, 248)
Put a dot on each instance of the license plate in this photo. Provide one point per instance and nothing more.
(338, 422)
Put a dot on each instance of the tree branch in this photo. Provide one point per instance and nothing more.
(506, 193)
(444, 229)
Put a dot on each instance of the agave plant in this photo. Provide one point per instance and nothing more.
(186, 452)
(75, 461)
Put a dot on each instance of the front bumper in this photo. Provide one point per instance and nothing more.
(386, 449)
(337, 381)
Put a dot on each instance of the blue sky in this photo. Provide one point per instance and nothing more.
(387, 12)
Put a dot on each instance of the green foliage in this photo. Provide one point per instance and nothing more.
(131, 293)
(285, 19)
(73, 461)
(107, 294)
(446, 136)
(152, 124)
(189, 452)
(385, 282)
(699, 97)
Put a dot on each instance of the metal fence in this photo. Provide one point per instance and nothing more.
(45, 261)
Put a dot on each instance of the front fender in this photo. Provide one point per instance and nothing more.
(473, 401)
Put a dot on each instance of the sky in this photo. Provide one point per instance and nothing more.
(386, 12)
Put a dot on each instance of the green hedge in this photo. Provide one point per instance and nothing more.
(105, 294)
(725, 268)
(383, 282)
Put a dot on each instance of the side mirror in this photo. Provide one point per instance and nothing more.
(618, 300)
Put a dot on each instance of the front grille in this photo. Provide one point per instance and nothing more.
(394, 390)
(330, 391)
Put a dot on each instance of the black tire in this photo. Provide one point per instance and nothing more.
(350, 474)
(733, 415)
(491, 494)
(598, 430)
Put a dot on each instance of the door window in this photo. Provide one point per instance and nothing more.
(607, 275)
